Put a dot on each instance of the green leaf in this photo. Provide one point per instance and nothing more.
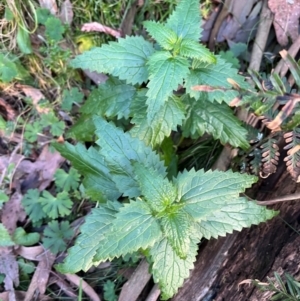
(54, 29)
(8, 70)
(177, 229)
(93, 232)
(67, 181)
(215, 119)
(97, 179)
(55, 235)
(32, 131)
(230, 57)
(31, 205)
(185, 20)
(164, 121)
(23, 40)
(235, 214)
(166, 73)
(165, 36)
(119, 149)
(125, 59)
(26, 267)
(192, 49)
(83, 129)
(71, 96)
(113, 98)
(168, 269)
(215, 75)
(206, 192)
(3, 198)
(134, 228)
(5, 239)
(11, 68)
(43, 14)
(58, 206)
(157, 190)
(57, 128)
(22, 238)
(109, 289)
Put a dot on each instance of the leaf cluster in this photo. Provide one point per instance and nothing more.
(166, 219)
(145, 75)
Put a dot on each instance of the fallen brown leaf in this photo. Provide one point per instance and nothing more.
(66, 12)
(12, 212)
(286, 19)
(49, 4)
(95, 26)
(9, 267)
(36, 95)
(40, 277)
(8, 112)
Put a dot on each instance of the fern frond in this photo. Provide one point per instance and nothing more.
(292, 159)
(270, 156)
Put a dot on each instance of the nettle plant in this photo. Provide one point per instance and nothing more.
(162, 215)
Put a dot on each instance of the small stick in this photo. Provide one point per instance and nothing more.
(290, 197)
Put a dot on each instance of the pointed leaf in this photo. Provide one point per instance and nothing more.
(119, 149)
(185, 20)
(165, 36)
(177, 229)
(91, 164)
(125, 59)
(193, 49)
(168, 269)
(167, 119)
(215, 119)
(113, 98)
(166, 73)
(215, 75)
(234, 215)
(205, 192)
(134, 228)
(93, 232)
(157, 190)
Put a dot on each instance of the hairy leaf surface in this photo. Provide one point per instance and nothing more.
(113, 98)
(177, 229)
(235, 214)
(125, 59)
(133, 228)
(168, 269)
(158, 191)
(166, 73)
(97, 179)
(166, 120)
(119, 149)
(215, 119)
(93, 232)
(185, 20)
(215, 75)
(165, 36)
(206, 192)
(193, 49)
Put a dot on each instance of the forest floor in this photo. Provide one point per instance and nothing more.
(40, 100)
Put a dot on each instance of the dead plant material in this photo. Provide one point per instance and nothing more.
(95, 26)
(286, 19)
(134, 286)
(8, 112)
(85, 286)
(40, 278)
